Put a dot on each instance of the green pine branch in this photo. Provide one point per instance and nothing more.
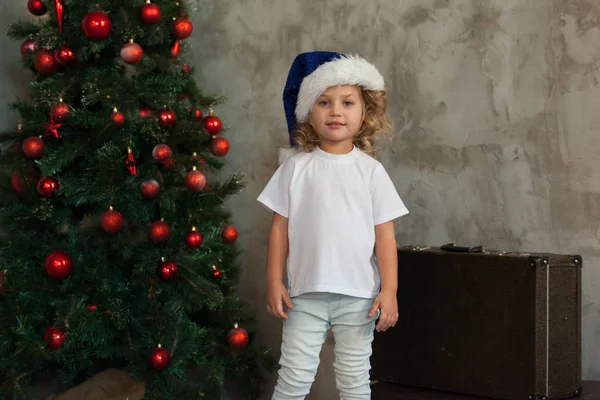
(113, 306)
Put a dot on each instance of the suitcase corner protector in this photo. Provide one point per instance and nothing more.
(576, 259)
(536, 396)
(538, 261)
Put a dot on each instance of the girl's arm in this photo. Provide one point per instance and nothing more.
(387, 257)
(276, 257)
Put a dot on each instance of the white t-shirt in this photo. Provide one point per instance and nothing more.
(332, 202)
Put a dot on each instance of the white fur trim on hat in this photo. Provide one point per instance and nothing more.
(347, 70)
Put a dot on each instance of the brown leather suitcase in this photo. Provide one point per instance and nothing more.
(485, 323)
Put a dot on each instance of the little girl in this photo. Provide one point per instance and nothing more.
(333, 210)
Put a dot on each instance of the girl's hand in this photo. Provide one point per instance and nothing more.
(276, 296)
(387, 303)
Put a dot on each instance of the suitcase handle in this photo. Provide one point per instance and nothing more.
(453, 247)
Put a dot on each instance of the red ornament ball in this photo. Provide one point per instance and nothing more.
(166, 270)
(196, 114)
(216, 273)
(132, 53)
(111, 221)
(195, 180)
(237, 338)
(36, 7)
(166, 118)
(47, 186)
(212, 124)
(28, 46)
(60, 112)
(15, 146)
(64, 55)
(58, 265)
(150, 13)
(229, 234)
(17, 182)
(219, 146)
(92, 307)
(117, 117)
(54, 337)
(182, 28)
(159, 232)
(193, 239)
(150, 188)
(159, 358)
(161, 153)
(186, 69)
(33, 147)
(168, 164)
(44, 62)
(96, 25)
(145, 112)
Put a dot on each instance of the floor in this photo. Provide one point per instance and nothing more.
(386, 391)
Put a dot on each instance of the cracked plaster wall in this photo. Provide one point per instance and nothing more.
(495, 105)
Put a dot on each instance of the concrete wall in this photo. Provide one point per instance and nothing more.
(495, 108)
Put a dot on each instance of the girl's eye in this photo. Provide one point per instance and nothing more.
(348, 103)
(323, 102)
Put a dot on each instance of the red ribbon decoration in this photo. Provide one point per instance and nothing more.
(58, 11)
(175, 48)
(130, 163)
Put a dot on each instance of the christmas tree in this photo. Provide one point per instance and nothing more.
(117, 250)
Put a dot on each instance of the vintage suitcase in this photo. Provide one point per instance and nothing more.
(485, 323)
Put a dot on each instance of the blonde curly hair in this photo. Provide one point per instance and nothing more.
(375, 120)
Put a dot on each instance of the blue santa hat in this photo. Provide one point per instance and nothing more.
(313, 72)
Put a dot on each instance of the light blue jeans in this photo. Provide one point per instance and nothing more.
(304, 332)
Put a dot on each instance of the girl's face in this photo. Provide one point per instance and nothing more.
(337, 116)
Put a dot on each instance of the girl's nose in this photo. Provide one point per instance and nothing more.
(335, 108)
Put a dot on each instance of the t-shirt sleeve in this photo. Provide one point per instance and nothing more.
(276, 195)
(387, 204)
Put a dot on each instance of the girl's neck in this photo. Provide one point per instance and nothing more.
(342, 147)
